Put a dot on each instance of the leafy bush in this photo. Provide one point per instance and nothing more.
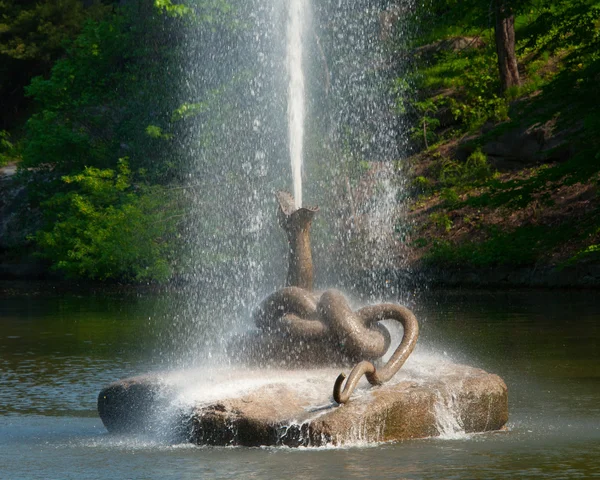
(105, 228)
(422, 184)
(442, 221)
(450, 196)
(589, 253)
(475, 170)
(478, 100)
(518, 248)
(466, 84)
(424, 131)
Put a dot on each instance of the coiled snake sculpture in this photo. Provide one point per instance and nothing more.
(299, 315)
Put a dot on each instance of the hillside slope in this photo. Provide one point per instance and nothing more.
(505, 186)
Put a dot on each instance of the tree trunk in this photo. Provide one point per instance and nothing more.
(505, 46)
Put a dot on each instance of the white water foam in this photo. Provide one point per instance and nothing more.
(205, 386)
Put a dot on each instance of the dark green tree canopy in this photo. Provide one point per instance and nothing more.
(33, 34)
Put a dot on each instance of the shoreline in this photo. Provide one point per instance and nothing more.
(420, 279)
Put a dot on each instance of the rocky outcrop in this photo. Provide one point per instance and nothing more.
(277, 412)
(524, 145)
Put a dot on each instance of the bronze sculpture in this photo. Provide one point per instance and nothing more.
(300, 325)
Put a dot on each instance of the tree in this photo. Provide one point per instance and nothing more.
(32, 37)
(474, 15)
(119, 91)
(505, 45)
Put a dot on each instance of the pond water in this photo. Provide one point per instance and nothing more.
(57, 350)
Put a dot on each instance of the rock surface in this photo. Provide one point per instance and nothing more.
(275, 407)
(524, 145)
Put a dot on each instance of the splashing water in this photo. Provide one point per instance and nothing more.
(447, 416)
(297, 17)
(304, 80)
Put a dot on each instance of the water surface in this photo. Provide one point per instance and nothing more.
(57, 350)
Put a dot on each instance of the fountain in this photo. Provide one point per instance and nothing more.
(273, 405)
(283, 386)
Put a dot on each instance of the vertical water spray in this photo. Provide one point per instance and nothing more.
(297, 19)
(268, 64)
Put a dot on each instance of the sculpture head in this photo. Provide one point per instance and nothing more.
(296, 223)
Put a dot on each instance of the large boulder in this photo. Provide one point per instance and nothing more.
(295, 408)
(524, 145)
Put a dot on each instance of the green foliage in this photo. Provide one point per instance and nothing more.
(520, 247)
(589, 253)
(99, 101)
(451, 172)
(562, 25)
(536, 18)
(422, 184)
(441, 221)
(474, 171)
(205, 12)
(32, 37)
(115, 94)
(174, 10)
(8, 151)
(105, 228)
(37, 30)
(446, 18)
(156, 132)
(477, 168)
(466, 81)
(558, 44)
(478, 99)
(425, 129)
(55, 142)
(401, 90)
(470, 82)
(450, 196)
(420, 242)
(519, 193)
(112, 94)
